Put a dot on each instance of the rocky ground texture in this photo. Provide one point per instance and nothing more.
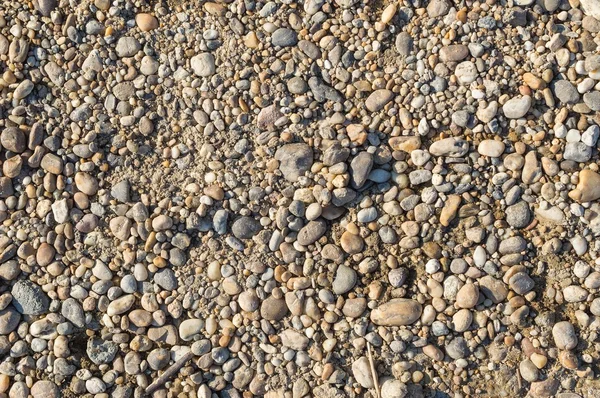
(326, 198)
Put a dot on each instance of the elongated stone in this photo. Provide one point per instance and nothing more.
(397, 312)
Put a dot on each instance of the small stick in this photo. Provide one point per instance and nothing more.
(519, 382)
(170, 372)
(373, 372)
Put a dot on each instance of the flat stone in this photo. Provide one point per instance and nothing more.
(311, 232)
(101, 351)
(361, 370)
(590, 8)
(293, 339)
(9, 320)
(451, 147)
(577, 152)
(516, 108)
(284, 37)
(245, 227)
(566, 92)
(29, 298)
(273, 309)
(518, 215)
(454, 53)
(378, 99)
(345, 279)
(190, 328)
(491, 148)
(294, 160)
(438, 8)
(127, 47)
(360, 167)
(466, 72)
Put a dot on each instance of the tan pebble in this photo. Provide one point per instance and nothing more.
(397, 312)
(538, 360)
(388, 13)
(351, 243)
(588, 188)
(146, 22)
(433, 352)
(251, 40)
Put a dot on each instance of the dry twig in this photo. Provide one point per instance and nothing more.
(373, 372)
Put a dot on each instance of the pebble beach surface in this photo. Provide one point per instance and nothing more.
(283, 199)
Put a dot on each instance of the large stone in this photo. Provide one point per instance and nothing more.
(203, 64)
(378, 99)
(591, 8)
(452, 147)
(29, 298)
(516, 108)
(361, 370)
(9, 320)
(397, 312)
(588, 187)
(294, 160)
(564, 336)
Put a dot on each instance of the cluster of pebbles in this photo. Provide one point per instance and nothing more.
(327, 198)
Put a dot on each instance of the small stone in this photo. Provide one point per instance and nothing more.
(190, 328)
(518, 215)
(404, 44)
(294, 340)
(392, 388)
(311, 232)
(9, 320)
(101, 351)
(521, 283)
(245, 227)
(466, 72)
(127, 47)
(45, 389)
(577, 152)
(23, 89)
(45, 7)
(13, 140)
(454, 53)
(351, 243)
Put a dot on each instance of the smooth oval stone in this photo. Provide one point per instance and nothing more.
(397, 312)
(378, 99)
